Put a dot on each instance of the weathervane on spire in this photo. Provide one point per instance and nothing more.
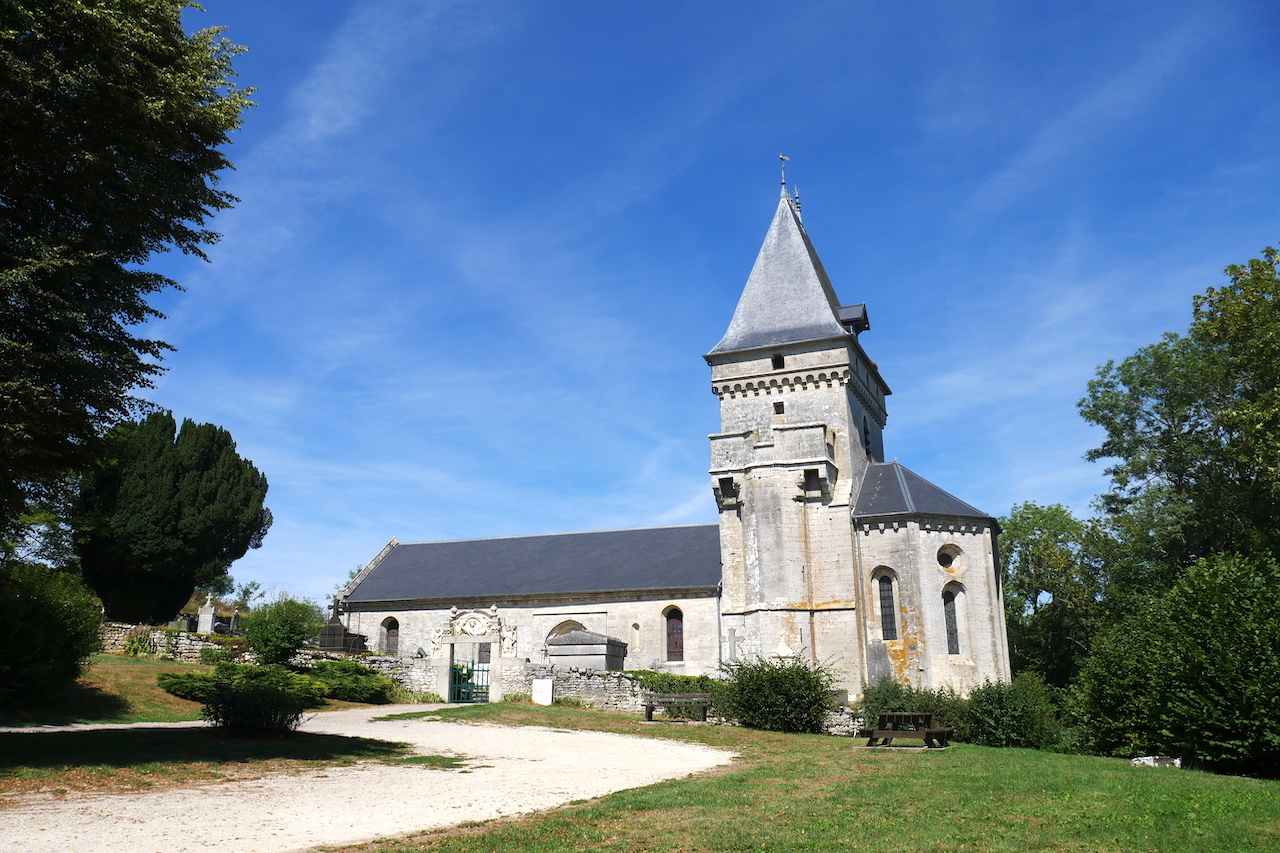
(785, 160)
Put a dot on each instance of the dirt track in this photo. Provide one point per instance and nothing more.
(509, 771)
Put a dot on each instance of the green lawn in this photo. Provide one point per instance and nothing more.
(785, 793)
(808, 792)
(128, 759)
(114, 689)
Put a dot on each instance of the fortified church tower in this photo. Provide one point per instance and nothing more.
(827, 551)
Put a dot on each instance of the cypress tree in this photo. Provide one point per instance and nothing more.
(168, 511)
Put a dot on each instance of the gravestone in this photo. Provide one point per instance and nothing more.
(204, 624)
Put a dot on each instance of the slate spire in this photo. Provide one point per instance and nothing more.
(788, 297)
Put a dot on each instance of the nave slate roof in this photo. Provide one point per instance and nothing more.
(685, 558)
(892, 489)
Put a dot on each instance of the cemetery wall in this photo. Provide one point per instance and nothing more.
(597, 688)
(182, 646)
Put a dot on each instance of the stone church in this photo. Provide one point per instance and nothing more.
(822, 549)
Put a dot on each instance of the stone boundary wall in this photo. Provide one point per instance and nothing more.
(413, 674)
(842, 722)
(181, 646)
(606, 690)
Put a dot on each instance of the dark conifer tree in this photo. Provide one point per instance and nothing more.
(165, 514)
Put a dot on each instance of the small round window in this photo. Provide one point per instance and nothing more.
(948, 555)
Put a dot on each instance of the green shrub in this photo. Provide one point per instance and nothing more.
(568, 702)
(137, 643)
(216, 655)
(777, 694)
(349, 681)
(277, 630)
(1017, 713)
(49, 625)
(518, 698)
(186, 685)
(886, 696)
(259, 700)
(1196, 675)
(669, 682)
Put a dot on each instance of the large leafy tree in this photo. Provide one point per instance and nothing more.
(1053, 586)
(1193, 424)
(168, 512)
(112, 121)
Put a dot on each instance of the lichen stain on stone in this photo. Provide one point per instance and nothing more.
(902, 661)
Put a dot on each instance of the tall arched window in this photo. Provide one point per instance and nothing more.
(675, 635)
(390, 636)
(888, 618)
(953, 625)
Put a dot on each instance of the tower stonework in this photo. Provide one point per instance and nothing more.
(802, 409)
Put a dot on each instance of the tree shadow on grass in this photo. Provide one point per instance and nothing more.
(77, 702)
(141, 746)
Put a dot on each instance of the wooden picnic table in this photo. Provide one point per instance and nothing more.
(906, 725)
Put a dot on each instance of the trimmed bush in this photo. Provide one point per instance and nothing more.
(254, 701)
(669, 682)
(777, 694)
(194, 686)
(277, 630)
(349, 681)
(49, 626)
(1019, 713)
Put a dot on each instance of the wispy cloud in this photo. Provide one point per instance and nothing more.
(1110, 105)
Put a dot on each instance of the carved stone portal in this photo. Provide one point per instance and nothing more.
(475, 623)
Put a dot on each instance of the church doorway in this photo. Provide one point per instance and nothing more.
(389, 642)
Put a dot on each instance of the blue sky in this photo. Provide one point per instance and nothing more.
(481, 247)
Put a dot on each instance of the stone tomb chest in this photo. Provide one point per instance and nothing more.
(587, 650)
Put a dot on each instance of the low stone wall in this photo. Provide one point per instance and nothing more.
(181, 646)
(842, 722)
(607, 690)
(413, 674)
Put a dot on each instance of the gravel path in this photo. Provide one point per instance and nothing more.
(510, 771)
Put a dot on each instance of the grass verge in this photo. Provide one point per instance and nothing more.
(114, 689)
(127, 759)
(814, 793)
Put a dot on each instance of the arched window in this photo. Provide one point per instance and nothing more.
(953, 624)
(390, 636)
(888, 617)
(675, 635)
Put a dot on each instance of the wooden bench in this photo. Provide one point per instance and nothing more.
(915, 726)
(699, 701)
